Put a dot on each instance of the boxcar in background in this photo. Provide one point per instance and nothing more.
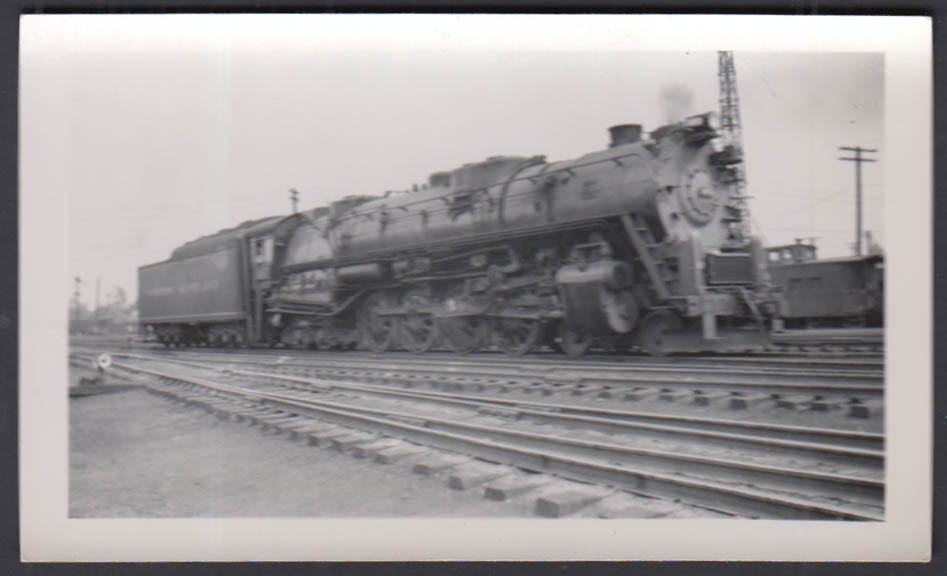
(831, 292)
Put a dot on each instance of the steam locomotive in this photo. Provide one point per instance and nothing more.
(639, 244)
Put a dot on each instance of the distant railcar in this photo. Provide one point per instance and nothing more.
(831, 292)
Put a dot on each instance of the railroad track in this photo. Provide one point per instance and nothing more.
(871, 368)
(731, 365)
(792, 345)
(856, 393)
(728, 466)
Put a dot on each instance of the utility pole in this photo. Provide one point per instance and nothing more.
(294, 198)
(858, 160)
(75, 295)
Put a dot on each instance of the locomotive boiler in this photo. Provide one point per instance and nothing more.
(637, 244)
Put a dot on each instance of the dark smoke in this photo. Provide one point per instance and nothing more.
(677, 101)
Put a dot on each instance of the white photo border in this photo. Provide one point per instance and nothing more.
(47, 534)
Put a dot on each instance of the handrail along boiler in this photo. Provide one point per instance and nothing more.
(636, 244)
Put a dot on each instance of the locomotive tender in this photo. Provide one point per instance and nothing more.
(637, 244)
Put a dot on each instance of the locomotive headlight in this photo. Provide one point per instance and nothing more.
(695, 122)
(708, 121)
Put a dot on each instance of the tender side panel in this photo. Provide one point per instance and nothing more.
(205, 288)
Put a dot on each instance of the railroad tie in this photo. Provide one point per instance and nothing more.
(669, 395)
(639, 393)
(826, 404)
(472, 476)
(371, 449)
(702, 398)
(559, 504)
(324, 436)
(344, 443)
(507, 487)
(742, 402)
(436, 462)
(793, 402)
(398, 453)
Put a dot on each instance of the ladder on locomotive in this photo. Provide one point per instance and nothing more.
(662, 279)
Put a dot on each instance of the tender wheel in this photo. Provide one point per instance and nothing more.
(572, 342)
(651, 333)
(377, 332)
(418, 330)
(516, 336)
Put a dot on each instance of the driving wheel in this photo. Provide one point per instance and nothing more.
(418, 328)
(464, 334)
(376, 330)
(516, 336)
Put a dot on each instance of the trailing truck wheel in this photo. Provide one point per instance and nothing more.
(418, 330)
(572, 342)
(376, 331)
(651, 333)
(516, 336)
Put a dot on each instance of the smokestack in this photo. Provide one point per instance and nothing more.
(624, 134)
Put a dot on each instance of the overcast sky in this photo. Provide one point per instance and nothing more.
(160, 137)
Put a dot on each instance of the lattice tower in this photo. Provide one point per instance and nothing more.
(731, 130)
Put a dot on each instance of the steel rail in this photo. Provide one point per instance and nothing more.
(475, 373)
(781, 355)
(578, 367)
(346, 368)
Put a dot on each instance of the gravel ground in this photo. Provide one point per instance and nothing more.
(135, 455)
